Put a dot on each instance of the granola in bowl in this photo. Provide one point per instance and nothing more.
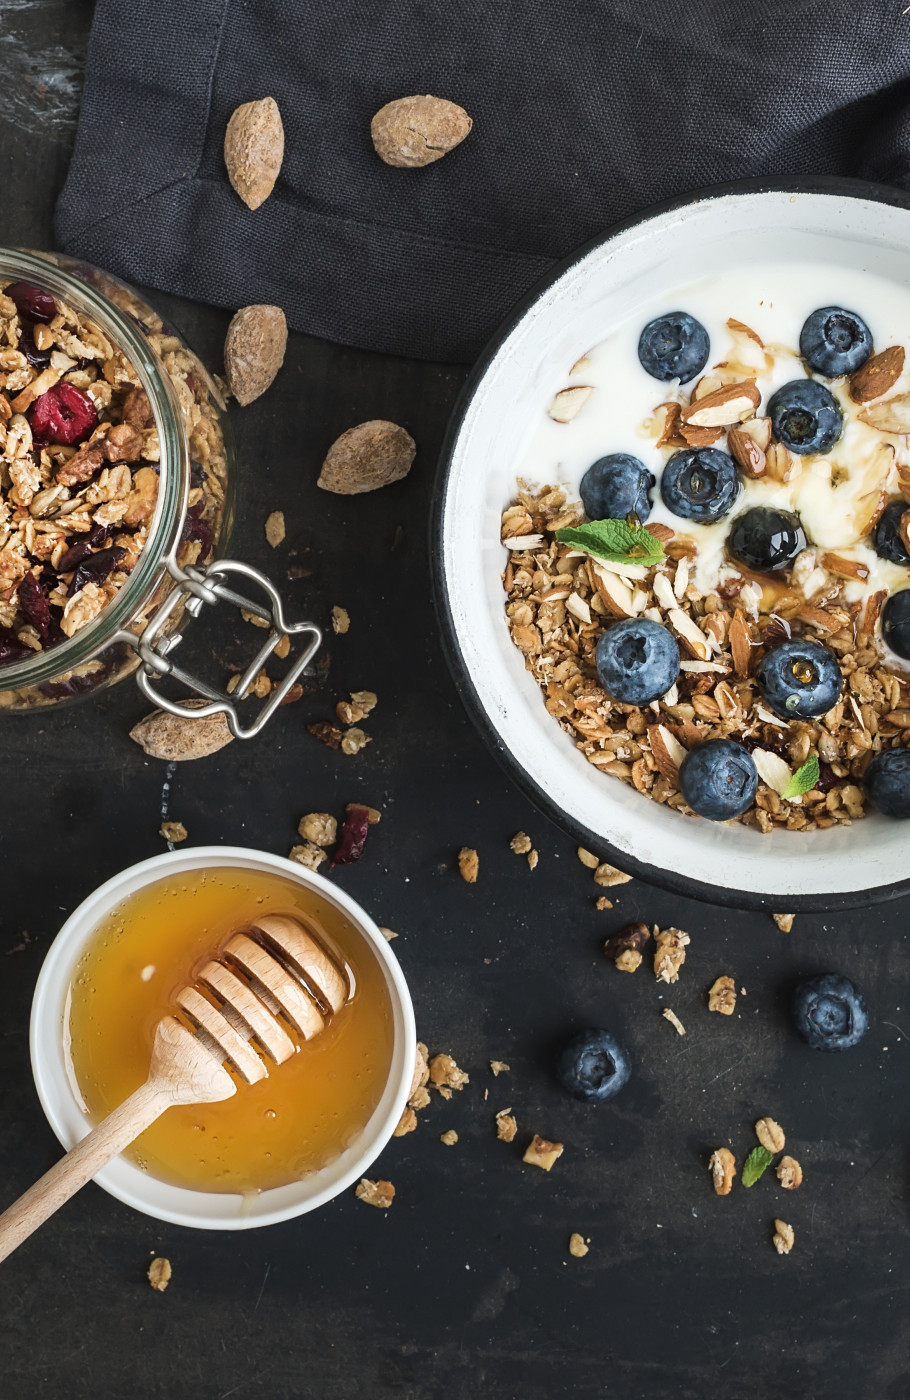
(744, 540)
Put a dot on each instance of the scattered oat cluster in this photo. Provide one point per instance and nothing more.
(350, 741)
(771, 1141)
(320, 830)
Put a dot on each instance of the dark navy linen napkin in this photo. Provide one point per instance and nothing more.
(584, 111)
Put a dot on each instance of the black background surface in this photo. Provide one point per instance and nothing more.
(465, 1286)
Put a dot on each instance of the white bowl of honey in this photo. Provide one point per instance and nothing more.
(275, 1149)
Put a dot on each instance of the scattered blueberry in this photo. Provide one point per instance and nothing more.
(805, 416)
(887, 534)
(766, 540)
(800, 679)
(830, 1012)
(833, 341)
(896, 622)
(887, 782)
(637, 660)
(593, 1066)
(615, 487)
(718, 780)
(700, 484)
(675, 346)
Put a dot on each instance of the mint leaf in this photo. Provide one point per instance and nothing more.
(616, 541)
(804, 779)
(757, 1162)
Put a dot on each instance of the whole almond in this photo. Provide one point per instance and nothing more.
(254, 349)
(254, 150)
(746, 453)
(176, 738)
(877, 375)
(366, 457)
(415, 131)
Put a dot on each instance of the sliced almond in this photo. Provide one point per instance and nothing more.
(759, 430)
(568, 403)
(732, 403)
(518, 543)
(740, 328)
(782, 464)
(870, 506)
(877, 375)
(903, 480)
(874, 605)
(739, 636)
(690, 633)
(746, 453)
(615, 592)
(704, 667)
(708, 384)
(681, 579)
(663, 591)
(625, 570)
(844, 568)
(890, 416)
(579, 609)
(772, 770)
(700, 437)
(667, 750)
(660, 532)
(670, 435)
(817, 617)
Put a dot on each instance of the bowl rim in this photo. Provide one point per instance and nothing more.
(46, 1042)
(835, 187)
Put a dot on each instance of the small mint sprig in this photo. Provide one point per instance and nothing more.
(803, 780)
(756, 1164)
(614, 541)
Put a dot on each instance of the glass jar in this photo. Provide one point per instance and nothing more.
(183, 439)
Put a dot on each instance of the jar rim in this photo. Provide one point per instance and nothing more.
(60, 276)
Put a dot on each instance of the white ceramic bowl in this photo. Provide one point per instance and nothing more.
(845, 223)
(209, 1210)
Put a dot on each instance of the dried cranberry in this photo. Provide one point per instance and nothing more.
(32, 303)
(826, 777)
(34, 604)
(38, 359)
(197, 474)
(64, 415)
(353, 835)
(98, 534)
(76, 685)
(96, 567)
(196, 529)
(74, 556)
(11, 649)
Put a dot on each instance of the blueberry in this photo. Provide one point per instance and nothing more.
(700, 484)
(887, 537)
(830, 1012)
(833, 341)
(805, 416)
(896, 622)
(718, 780)
(675, 346)
(886, 780)
(766, 540)
(800, 679)
(615, 487)
(637, 660)
(593, 1066)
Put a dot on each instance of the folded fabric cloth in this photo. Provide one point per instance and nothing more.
(584, 112)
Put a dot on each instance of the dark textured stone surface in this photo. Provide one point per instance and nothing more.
(465, 1286)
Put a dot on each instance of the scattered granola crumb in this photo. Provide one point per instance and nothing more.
(375, 1193)
(627, 946)
(341, 620)
(608, 876)
(283, 648)
(669, 953)
(421, 1069)
(587, 858)
(406, 1123)
(674, 1020)
(542, 1153)
(722, 1167)
(445, 1091)
(449, 1138)
(604, 903)
(499, 1067)
(367, 700)
(354, 740)
(770, 1135)
(254, 619)
(173, 831)
(784, 921)
(722, 996)
(506, 1125)
(159, 1273)
(444, 1073)
(783, 1237)
(275, 529)
(789, 1173)
(348, 713)
(468, 864)
(520, 843)
(328, 734)
(533, 858)
(319, 827)
(577, 1247)
(308, 854)
(387, 933)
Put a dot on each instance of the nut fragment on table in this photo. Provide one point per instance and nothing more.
(499, 1067)
(319, 827)
(254, 150)
(533, 859)
(366, 457)
(355, 740)
(450, 1137)
(159, 1273)
(406, 1123)
(387, 933)
(506, 1125)
(275, 530)
(254, 349)
(608, 876)
(542, 1153)
(722, 996)
(783, 1237)
(520, 843)
(626, 947)
(468, 864)
(179, 738)
(784, 921)
(341, 620)
(577, 1247)
(173, 831)
(444, 1073)
(603, 903)
(669, 953)
(308, 854)
(375, 1193)
(587, 858)
(770, 1135)
(674, 1020)
(723, 1169)
(414, 131)
(365, 700)
(789, 1173)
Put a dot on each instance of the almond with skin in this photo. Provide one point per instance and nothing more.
(730, 404)
(415, 131)
(254, 150)
(877, 375)
(759, 430)
(670, 435)
(177, 738)
(254, 349)
(746, 453)
(366, 457)
(700, 437)
(740, 639)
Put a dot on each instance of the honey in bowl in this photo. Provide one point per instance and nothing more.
(296, 1121)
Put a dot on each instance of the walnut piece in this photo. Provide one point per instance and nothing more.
(178, 738)
(355, 740)
(506, 1125)
(789, 1173)
(722, 1167)
(783, 1237)
(608, 876)
(444, 1072)
(173, 831)
(784, 921)
(415, 131)
(275, 530)
(520, 843)
(254, 150)
(159, 1273)
(254, 349)
(669, 953)
(308, 854)
(376, 1193)
(587, 858)
(577, 1247)
(364, 458)
(449, 1138)
(770, 1135)
(319, 827)
(468, 864)
(542, 1153)
(722, 996)
(341, 620)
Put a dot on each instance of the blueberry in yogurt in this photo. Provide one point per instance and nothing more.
(887, 782)
(616, 487)
(830, 1012)
(637, 660)
(887, 534)
(834, 341)
(593, 1066)
(700, 484)
(718, 779)
(675, 346)
(805, 416)
(766, 540)
(800, 679)
(896, 622)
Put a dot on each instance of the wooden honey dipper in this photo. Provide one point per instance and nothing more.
(276, 972)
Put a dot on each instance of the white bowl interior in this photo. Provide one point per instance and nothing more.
(209, 1209)
(594, 296)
